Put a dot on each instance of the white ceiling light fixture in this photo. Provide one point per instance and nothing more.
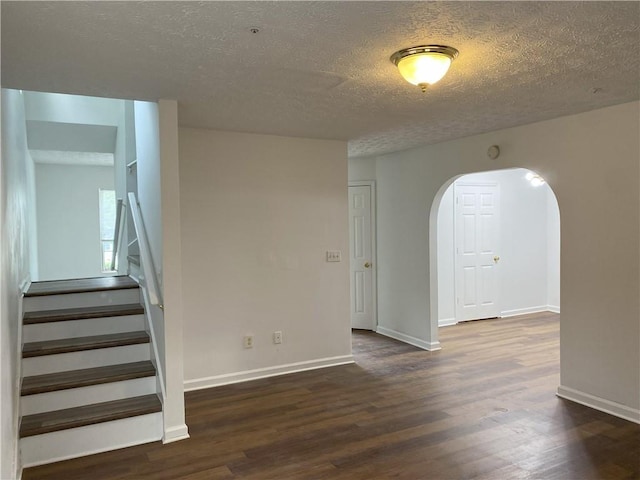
(424, 65)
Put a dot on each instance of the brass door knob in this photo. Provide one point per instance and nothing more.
(496, 259)
(367, 265)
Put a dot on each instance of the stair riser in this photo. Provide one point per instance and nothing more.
(81, 328)
(77, 300)
(101, 437)
(75, 397)
(88, 359)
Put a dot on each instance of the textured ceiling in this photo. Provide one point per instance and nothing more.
(322, 69)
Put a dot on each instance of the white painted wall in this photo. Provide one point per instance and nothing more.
(149, 195)
(446, 259)
(32, 218)
(530, 243)
(362, 169)
(149, 177)
(15, 172)
(591, 161)
(131, 173)
(258, 215)
(120, 177)
(68, 220)
(553, 252)
(173, 413)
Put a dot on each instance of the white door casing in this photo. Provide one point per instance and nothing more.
(361, 255)
(477, 259)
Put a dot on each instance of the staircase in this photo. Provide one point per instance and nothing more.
(88, 382)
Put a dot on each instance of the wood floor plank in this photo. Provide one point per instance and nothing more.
(483, 407)
(83, 378)
(78, 344)
(80, 285)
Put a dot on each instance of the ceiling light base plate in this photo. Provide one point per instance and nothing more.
(406, 52)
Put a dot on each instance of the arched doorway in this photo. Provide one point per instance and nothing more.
(494, 247)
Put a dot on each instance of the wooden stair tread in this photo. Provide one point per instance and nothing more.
(82, 378)
(66, 345)
(46, 316)
(40, 423)
(80, 285)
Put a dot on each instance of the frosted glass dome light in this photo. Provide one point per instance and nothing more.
(424, 65)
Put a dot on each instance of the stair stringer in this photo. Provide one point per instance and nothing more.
(172, 433)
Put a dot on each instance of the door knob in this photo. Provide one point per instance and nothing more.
(496, 259)
(367, 265)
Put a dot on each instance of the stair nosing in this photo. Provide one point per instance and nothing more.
(148, 404)
(108, 341)
(137, 373)
(81, 313)
(71, 290)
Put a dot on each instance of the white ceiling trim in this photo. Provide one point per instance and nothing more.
(57, 157)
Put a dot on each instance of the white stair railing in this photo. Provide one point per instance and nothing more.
(151, 295)
(117, 233)
(146, 261)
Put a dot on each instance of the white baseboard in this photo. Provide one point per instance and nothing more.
(416, 342)
(175, 434)
(247, 375)
(524, 311)
(607, 406)
(553, 308)
(447, 322)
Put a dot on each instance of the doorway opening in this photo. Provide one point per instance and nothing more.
(362, 255)
(497, 247)
(82, 159)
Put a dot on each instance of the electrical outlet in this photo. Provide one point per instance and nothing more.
(334, 256)
(277, 337)
(248, 341)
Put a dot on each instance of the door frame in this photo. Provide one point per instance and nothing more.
(374, 251)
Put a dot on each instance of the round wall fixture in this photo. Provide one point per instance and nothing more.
(493, 152)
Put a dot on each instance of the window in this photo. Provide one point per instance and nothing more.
(107, 206)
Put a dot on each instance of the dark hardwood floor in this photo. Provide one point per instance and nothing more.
(484, 407)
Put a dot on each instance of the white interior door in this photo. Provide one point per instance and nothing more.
(361, 258)
(477, 237)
